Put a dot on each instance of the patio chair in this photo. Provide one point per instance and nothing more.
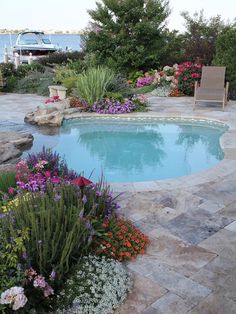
(212, 86)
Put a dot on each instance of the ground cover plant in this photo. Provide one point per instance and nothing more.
(51, 219)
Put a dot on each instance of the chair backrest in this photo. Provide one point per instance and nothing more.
(213, 77)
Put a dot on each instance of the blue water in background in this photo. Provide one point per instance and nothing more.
(129, 151)
(71, 41)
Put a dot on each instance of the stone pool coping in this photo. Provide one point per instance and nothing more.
(217, 172)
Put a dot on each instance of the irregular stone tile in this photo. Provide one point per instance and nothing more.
(223, 243)
(231, 226)
(196, 226)
(150, 310)
(215, 304)
(171, 303)
(191, 291)
(161, 215)
(210, 194)
(143, 294)
(211, 206)
(222, 266)
(229, 210)
(180, 255)
(218, 282)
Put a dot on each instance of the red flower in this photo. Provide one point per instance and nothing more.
(121, 253)
(141, 251)
(108, 245)
(127, 254)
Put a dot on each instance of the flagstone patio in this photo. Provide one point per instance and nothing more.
(190, 264)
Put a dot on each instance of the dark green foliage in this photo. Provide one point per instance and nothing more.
(128, 34)
(35, 82)
(7, 69)
(226, 56)
(199, 40)
(24, 69)
(120, 85)
(10, 274)
(61, 58)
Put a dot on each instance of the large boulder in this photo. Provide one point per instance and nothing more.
(50, 114)
(12, 144)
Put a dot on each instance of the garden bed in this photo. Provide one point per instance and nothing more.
(62, 242)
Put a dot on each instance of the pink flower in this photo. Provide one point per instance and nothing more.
(55, 180)
(11, 190)
(14, 296)
(39, 282)
(47, 174)
(48, 290)
(185, 79)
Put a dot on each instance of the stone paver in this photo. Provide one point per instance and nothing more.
(171, 303)
(215, 304)
(190, 264)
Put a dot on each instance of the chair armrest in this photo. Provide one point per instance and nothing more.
(226, 90)
(195, 87)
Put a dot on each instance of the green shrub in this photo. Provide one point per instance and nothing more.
(7, 69)
(92, 84)
(57, 234)
(119, 84)
(226, 56)
(10, 273)
(25, 69)
(62, 73)
(36, 83)
(61, 58)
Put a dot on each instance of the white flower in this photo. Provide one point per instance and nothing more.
(20, 301)
(15, 296)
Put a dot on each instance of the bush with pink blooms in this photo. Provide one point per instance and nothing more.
(187, 73)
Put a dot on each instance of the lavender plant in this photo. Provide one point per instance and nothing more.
(55, 164)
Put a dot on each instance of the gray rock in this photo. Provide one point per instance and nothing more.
(12, 144)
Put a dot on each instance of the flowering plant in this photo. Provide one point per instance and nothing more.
(111, 106)
(97, 285)
(145, 80)
(187, 73)
(52, 100)
(121, 240)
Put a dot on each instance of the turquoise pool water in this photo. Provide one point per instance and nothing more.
(136, 150)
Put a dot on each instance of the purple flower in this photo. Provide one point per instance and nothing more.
(84, 199)
(88, 225)
(53, 275)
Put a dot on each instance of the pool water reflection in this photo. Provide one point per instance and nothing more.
(137, 150)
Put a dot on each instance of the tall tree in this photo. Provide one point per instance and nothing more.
(226, 56)
(200, 36)
(128, 34)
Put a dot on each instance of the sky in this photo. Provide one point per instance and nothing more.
(72, 14)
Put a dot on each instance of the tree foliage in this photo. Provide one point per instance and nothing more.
(200, 36)
(128, 34)
(226, 56)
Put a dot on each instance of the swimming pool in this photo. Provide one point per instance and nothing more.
(136, 149)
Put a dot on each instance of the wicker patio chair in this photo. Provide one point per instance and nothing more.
(212, 86)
